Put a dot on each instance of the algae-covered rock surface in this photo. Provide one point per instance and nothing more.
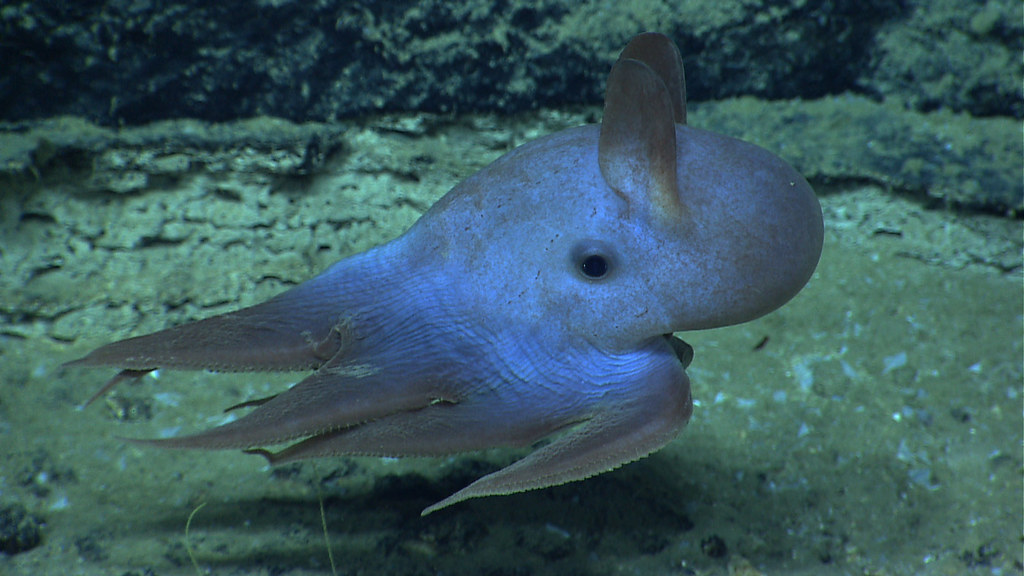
(130, 62)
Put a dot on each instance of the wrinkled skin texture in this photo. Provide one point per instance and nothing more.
(537, 298)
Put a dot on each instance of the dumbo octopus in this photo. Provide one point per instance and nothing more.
(537, 298)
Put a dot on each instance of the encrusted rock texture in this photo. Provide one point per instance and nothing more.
(924, 96)
(134, 61)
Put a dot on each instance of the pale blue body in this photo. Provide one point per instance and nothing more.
(537, 297)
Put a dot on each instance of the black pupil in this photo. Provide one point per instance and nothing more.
(594, 266)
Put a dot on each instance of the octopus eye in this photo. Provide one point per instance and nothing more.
(594, 266)
(593, 260)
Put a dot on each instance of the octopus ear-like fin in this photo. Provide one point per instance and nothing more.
(661, 55)
(637, 146)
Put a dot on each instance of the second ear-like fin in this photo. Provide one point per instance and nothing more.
(637, 146)
(662, 56)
